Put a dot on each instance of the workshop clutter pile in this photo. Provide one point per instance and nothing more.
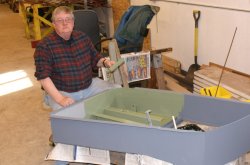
(97, 3)
(86, 4)
(90, 4)
(13, 4)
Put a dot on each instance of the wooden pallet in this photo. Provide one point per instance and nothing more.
(97, 3)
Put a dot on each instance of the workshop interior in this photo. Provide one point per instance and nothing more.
(183, 75)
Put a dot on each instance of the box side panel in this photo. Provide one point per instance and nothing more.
(178, 147)
(229, 142)
(213, 111)
(74, 111)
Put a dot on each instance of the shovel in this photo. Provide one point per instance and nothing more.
(194, 67)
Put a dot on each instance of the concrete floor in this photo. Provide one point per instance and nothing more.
(24, 124)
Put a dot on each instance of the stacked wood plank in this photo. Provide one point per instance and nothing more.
(237, 85)
(170, 64)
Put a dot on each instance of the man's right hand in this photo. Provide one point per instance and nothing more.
(50, 88)
(66, 101)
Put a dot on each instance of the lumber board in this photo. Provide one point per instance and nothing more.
(196, 90)
(170, 64)
(173, 85)
(229, 69)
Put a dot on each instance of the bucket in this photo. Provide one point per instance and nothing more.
(211, 91)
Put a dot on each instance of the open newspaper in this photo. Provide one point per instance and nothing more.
(79, 154)
(137, 66)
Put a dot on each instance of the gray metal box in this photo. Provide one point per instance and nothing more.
(83, 124)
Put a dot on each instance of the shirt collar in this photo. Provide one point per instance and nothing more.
(71, 39)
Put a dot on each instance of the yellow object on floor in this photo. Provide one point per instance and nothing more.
(211, 91)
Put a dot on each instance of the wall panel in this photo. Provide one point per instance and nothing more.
(174, 27)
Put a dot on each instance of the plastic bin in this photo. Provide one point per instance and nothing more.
(211, 91)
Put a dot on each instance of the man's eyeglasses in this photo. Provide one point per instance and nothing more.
(66, 20)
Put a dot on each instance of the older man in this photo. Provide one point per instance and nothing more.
(64, 62)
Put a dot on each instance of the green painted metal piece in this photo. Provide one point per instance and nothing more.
(138, 117)
(102, 116)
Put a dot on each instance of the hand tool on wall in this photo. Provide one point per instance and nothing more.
(194, 67)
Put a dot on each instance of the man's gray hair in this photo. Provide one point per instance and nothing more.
(64, 9)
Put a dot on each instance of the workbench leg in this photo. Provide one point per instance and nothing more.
(24, 18)
(36, 21)
(157, 64)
